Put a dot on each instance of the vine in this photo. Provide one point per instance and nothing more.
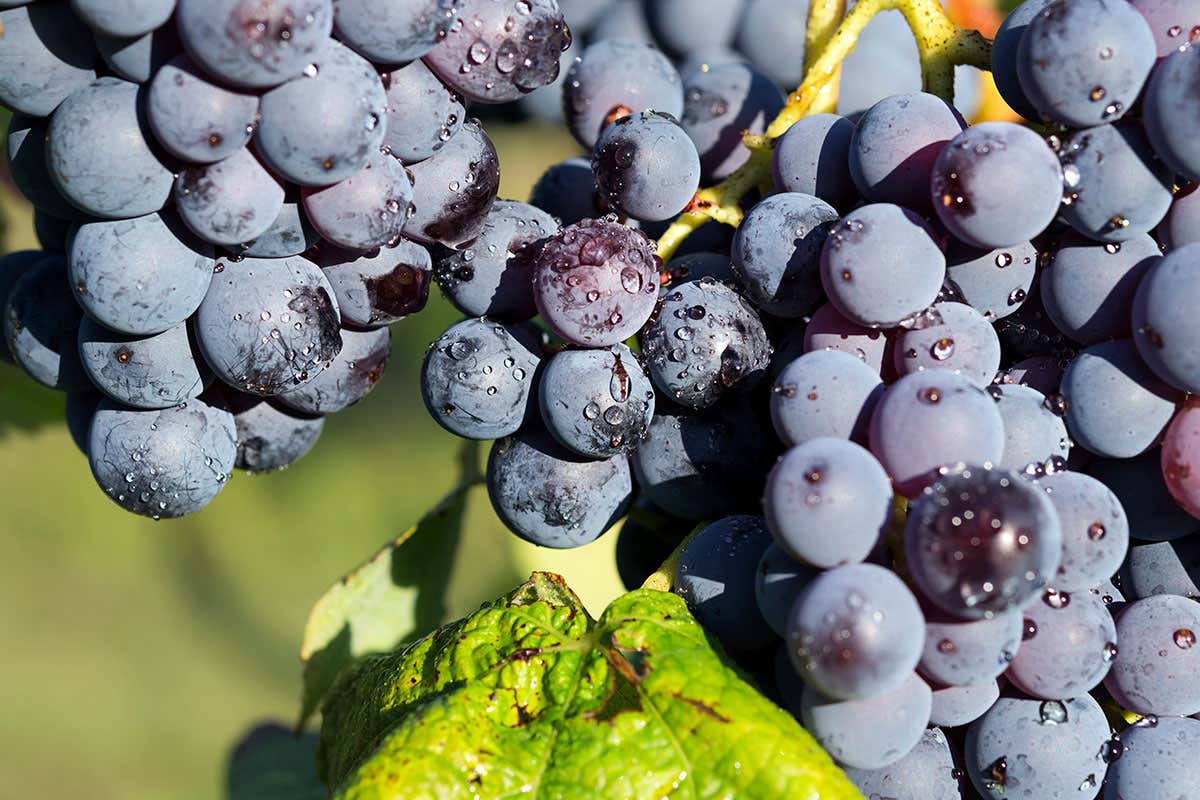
(831, 37)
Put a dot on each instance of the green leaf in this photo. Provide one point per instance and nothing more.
(395, 595)
(272, 763)
(530, 697)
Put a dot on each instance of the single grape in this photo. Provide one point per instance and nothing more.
(885, 62)
(289, 235)
(550, 497)
(41, 327)
(366, 210)
(777, 252)
(454, 189)
(139, 58)
(855, 632)
(165, 463)
(996, 184)
(1157, 760)
(477, 378)
(1033, 433)
(596, 282)
(829, 330)
(926, 772)
(715, 577)
(881, 265)
(351, 376)
(229, 202)
(267, 326)
(1094, 526)
(567, 191)
(615, 77)
(1084, 62)
(823, 485)
(1179, 457)
(1072, 646)
(597, 403)
(722, 103)
(1171, 109)
(777, 583)
(1138, 483)
(99, 152)
(1164, 332)
(701, 465)
(971, 652)
(1163, 568)
(982, 541)
(704, 342)
(422, 112)
(1170, 21)
(47, 56)
(825, 393)
(27, 166)
(157, 290)
(583, 15)
(952, 336)
(1004, 56)
(873, 732)
(257, 45)
(680, 30)
(646, 167)
(497, 51)
(394, 31)
(812, 158)
(954, 706)
(993, 282)
(933, 419)
(380, 287)
(12, 267)
(895, 145)
(124, 17)
(195, 119)
(1181, 225)
(772, 34)
(1029, 749)
(1116, 407)
(1088, 288)
(545, 105)
(623, 19)
(148, 372)
(1117, 188)
(1157, 669)
(269, 436)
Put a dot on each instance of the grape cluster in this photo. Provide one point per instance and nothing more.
(235, 200)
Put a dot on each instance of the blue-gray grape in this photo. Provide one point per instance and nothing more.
(680, 30)
(454, 189)
(825, 393)
(48, 55)
(646, 167)
(12, 267)
(1163, 568)
(1171, 110)
(1004, 56)
(926, 772)
(124, 17)
(351, 375)
(772, 35)
(195, 119)
(722, 103)
(993, 282)
(952, 336)
(1072, 646)
(829, 330)
(80, 410)
(1094, 526)
(366, 210)
(1033, 433)
(394, 31)
(813, 158)
(1157, 669)
(873, 732)
(26, 151)
(148, 372)
(567, 191)
(968, 652)
(41, 326)
(138, 58)
(1138, 483)
(777, 583)
(1157, 760)
(380, 287)
(1164, 332)
(289, 235)
(422, 112)
(232, 201)
(1181, 225)
(269, 436)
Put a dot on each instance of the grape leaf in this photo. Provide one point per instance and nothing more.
(397, 594)
(272, 763)
(529, 696)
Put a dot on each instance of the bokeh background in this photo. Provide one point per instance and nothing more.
(134, 653)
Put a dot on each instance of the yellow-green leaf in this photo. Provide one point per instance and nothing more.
(530, 697)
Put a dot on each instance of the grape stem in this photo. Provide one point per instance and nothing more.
(831, 37)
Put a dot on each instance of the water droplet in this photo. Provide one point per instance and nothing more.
(1109, 652)
(1028, 630)
(1052, 712)
(591, 411)
(1184, 639)
(942, 349)
(613, 415)
(1056, 599)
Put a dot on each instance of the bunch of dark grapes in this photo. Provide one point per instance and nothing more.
(236, 198)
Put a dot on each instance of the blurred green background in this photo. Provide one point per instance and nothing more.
(135, 653)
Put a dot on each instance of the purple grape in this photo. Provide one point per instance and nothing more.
(996, 184)
(366, 210)
(41, 327)
(567, 191)
(822, 485)
(380, 287)
(971, 652)
(933, 419)
(394, 31)
(981, 541)
(954, 706)
(952, 336)
(1033, 433)
(1004, 56)
(715, 577)
(422, 113)
(1094, 527)
(1157, 669)
(895, 145)
(1069, 644)
(881, 265)
(1171, 109)
(1164, 330)
(196, 119)
(856, 632)
(48, 55)
(829, 330)
(454, 189)
(1088, 288)
(811, 158)
(351, 376)
(825, 393)
(873, 732)
(704, 342)
(646, 167)
(777, 583)
(1163, 568)
(1116, 407)
(993, 282)
(777, 252)
(27, 166)
(720, 104)
(1156, 760)
(229, 202)
(926, 772)
(495, 52)
(1181, 225)
(269, 436)
(149, 372)
(1028, 749)
(596, 282)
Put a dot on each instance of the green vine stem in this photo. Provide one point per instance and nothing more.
(942, 46)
